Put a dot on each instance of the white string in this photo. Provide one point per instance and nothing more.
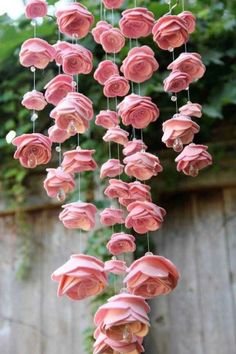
(186, 51)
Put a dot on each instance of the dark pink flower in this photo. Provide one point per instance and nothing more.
(58, 88)
(105, 70)
(76, 161)
(137, 22)
(121, 243)
(142, 165)
(58, 181)
(112, 216)
(101, 27)
(107, 119)
(116, 86)
(111, 168)
(117, 135)
(113, 4)
(78, 215)
(36, 8)
(36, 52)
(34, 100)
(112, 40)
(189, 19)
(177, 81)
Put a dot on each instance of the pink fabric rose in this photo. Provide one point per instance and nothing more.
(73, 113)
(78, 215)
(121, 243)
(137, 22)
(144, 217)
(112, 216)
(177, 81)
(34, 100)
(179, 130)
(115, 266)
(57, 135)
(117, 135)
(192, 159)
(123, 316)
(36, 52)
(111, 168)
(191, 109)
(74, 20)
(58, 181)
(133, 146)
(170, 32)
(117, 189)
(105, 70)
(36, 8)
(32, 149)
(189, 63)
(140, 64)
(101, 27)
(139, 111)
(76, 161)
(81, 277)
(116, 86)
(58, 88)
(189, 19)
(113, 4)
(137, 191)
(142, 165)
(112, 40)
(107, 119)
(151, 276)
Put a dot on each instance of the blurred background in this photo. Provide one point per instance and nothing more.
(199, 233)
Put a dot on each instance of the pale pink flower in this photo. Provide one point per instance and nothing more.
(101, 27)
(116, 135)
(117, 189)
(112, 40)
(121, 243)
(107, 119)
(57, 135)
(189, 63)
(142, 165)
(34, 100)
(111, 168)
(137, 22)
(105, 70)
(191, 109)
(189, 19)
(78, 160)
(177, 81)
(116, 86)
(115, 266)
(112, 216)
(58, 180)
(113, 4)
(36, 8)
(133, 146)
(58, 88)
(36, 52)
(78, 215)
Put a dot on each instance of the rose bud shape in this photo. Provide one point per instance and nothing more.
(117, 189)
(151, 276)
(58, 88)
(101, 27)
(179, 130)
(116, 86)
(115, 266)
(177, 81)
(81, 277)
(121, 243)
(142, 165)
(117, 135)
(78, 215)
(140, 64)
(111, 168)
(37, 53)
(112, 40)
(36, 8)
(77, 60)
(107, 119)
(137, 22)
(32, 149)
(191, 109)
(105, 70)
(192, 159)
(189, 63)
(144, 217)
(74, 20)
(78, 160)
(137, 191)
(57, 135)
(113, 4)
(133, 146)
(123, 316)
(112, 216)
(58, 183)
(189, 19)
(34, 100)
(170, 32)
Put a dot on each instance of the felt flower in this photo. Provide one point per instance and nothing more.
(112, 216)
(121, 243)
(78, 160)
(78, 215)
(105, 70)
(101, 27)
(111, 168)
(117, 135)
(57, 135)
(80, 277)
(191, 109)
(117, 189)
(32, 149)
(112, 4)
(189, 63)
(177, 81)
(144, 216)
(36, 8)
(133, 146)
(58, 181)
(140, 64)
(34, 100)
(58, 88)
(189, 19)
(112, 40)
(107, 119)
(37, 53)
(116, 86)
(115, 266)
(137, 22)
(137, 191)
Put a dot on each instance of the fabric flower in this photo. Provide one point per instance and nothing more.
(112, 40)
(142, 165)
(34, 100)
(57, 135)
(123, 316)
(105, 70)
(189, 19)
(36, 52)
(107, 119)
(133, 146)
(121, 243)
(116, 86)
(137, 22)
(170, 32)
(117, 135)
(78, 215)
(144, 217)
(32, 149)
(189, 63)
(74, 20)
(81, 277)
(115, 266)
(101, 27)
(73, 112)
(179, 128)
(58, 180)
(150, 276)
(76, 161)
(111, 168)
(112, 216)
(137, 191)
(58, 88)
(192, 159)
(191, 109)
(112, 4)
(140, 64)
(36, 8)
(177, 81)
(139, 111)
(117, 189)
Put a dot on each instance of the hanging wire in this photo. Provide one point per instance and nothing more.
(186, 51)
